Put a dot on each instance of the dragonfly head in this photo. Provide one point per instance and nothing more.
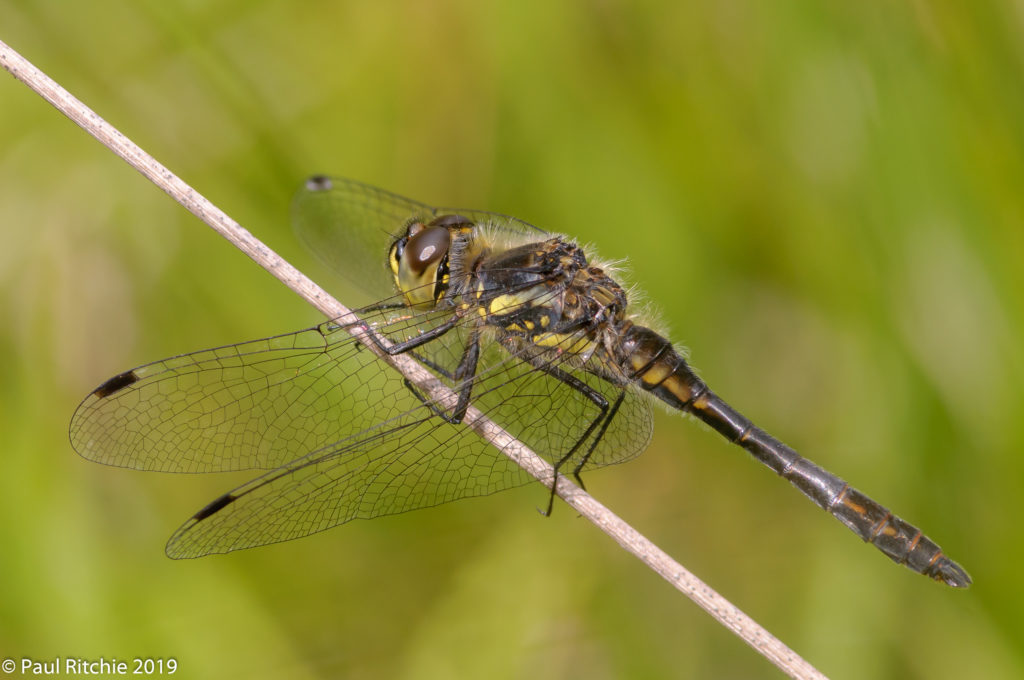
(419, 259)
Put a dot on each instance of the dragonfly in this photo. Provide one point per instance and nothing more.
(520, 323)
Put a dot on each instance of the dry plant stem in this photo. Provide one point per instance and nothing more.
(728, 615)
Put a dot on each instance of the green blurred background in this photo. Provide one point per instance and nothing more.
(824, 201)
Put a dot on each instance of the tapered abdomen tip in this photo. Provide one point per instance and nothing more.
(949, 572)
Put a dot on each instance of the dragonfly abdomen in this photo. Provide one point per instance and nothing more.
(660, 370)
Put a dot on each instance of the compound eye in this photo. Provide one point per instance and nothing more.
(425, 248)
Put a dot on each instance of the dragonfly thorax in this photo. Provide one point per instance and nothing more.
(546, 296)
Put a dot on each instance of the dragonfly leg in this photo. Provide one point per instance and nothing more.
(599, 400)
(597, 439)
(433, 365)
(594, 397)
(404, 346)
(463, 376)
(383, 306)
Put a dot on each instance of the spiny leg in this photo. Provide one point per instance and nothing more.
(600, 435)
(383, 307)
(591, 394)
(467, 365)
(598, 399)
(421, 339)
(463, 378)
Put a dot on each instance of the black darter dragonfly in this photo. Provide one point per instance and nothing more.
(517, 321)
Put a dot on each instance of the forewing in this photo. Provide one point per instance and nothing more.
(254, 405)
(349, 226)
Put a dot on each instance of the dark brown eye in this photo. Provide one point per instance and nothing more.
(425, 248)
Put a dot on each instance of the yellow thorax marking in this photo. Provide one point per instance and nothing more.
(503, 304)
(567, 342)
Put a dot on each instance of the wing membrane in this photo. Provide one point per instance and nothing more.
(254, 405)
(412, 461)
(349, 225)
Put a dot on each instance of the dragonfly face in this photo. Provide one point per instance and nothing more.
(419, 259)
(519, 322)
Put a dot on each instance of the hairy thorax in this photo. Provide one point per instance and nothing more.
(546, 296)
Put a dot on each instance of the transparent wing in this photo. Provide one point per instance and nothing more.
(349, 226)
(412, 461)
(340, 432)
(254, 405)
